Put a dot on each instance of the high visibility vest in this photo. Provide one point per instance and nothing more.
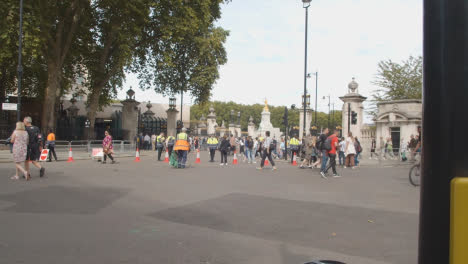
(212, 143)
(182, 142)
(170, 141)
(294, 143)
(159, 141)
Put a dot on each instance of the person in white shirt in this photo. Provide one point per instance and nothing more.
(147, 140)
(341, 155)
(153, 142)
(350, 151)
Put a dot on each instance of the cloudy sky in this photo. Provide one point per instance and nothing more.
(347, 38)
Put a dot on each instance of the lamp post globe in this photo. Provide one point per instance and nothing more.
(306, 3)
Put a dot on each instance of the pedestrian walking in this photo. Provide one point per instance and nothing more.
(232, 142)
(389, 148)
(322, 138)
(20, 139)
(358, 148)
(212, 145)
(160, 144)
(373, 148)
(403, 149)
(350, 151)
(33, 152)
(107, 147)
(224, 148)
(382, 148)
(147, 140)
(182, 146)
(50, 145)
(333, 141)
(341, 151)
(267, 150)
(249, 148)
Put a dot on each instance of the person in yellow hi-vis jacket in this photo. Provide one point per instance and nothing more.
(294, 145)
(212, 145)
(182, 146)
(160, 140)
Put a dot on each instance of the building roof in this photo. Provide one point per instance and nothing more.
(402, 101)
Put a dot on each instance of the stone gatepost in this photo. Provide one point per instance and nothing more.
(172, 122)
(352, 103)
(301, 121)
(211, 122)
(251, 128)
(129, 116)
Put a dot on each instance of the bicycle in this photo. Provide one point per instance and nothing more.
(415, 172)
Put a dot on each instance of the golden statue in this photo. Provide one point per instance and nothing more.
(266, 106)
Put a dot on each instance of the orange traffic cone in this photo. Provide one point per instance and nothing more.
(70, 155)
(198, 156)
(234, 160)
(166, 159)
(266, 161)
(137, 155)
(294, 160)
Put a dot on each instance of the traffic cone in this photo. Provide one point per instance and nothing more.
(294, 160)
(266, 161)
(166, 159)
(198, 156)
(137, 155)
(234, 160)
(70, 155)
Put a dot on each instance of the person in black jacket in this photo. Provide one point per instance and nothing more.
(224, 147)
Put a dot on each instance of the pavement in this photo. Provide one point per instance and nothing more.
(148, 212)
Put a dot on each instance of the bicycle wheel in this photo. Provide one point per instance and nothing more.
(414, 175)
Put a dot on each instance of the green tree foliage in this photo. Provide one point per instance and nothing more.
(398, 81)
(223, 110)
(186, 56)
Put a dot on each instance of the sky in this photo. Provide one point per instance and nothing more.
(346, 38)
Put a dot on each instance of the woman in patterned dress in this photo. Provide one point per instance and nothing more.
(20, 140)
(107, 147)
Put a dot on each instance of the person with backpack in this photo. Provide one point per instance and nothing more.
(294, 145)
(331, 145)
(249, 148)
(267, 149)
(33, 153)
(357, 146)
(224, 148)
(350, 151)
(322, 138)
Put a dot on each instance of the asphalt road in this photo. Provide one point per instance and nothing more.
(147, 212)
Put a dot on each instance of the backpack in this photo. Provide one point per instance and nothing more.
(358, 147)
(34, 135)
(250, 144)
(319, 144)
(273, 144)
(327, 144)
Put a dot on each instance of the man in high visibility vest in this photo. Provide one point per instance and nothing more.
(294, 145)
(182, 146)
(160, 144)
(212, 145)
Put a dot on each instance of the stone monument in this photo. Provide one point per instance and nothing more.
(251, 127)
(265, 124)
(172, 114)
(129, 116)
(211, 122)
(352, 103)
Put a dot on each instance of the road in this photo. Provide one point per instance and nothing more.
(147, 212)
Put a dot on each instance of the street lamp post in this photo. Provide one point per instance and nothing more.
(328, 109)
(306, 5)
(20, 63)
(316, 88)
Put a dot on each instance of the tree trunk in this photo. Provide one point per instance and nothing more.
(92, 109)
(50, 97)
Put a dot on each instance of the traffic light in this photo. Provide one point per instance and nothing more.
(353, 118)
(285, 117)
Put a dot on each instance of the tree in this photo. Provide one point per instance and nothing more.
(186, 56)
(117, 33)
(398, 81)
